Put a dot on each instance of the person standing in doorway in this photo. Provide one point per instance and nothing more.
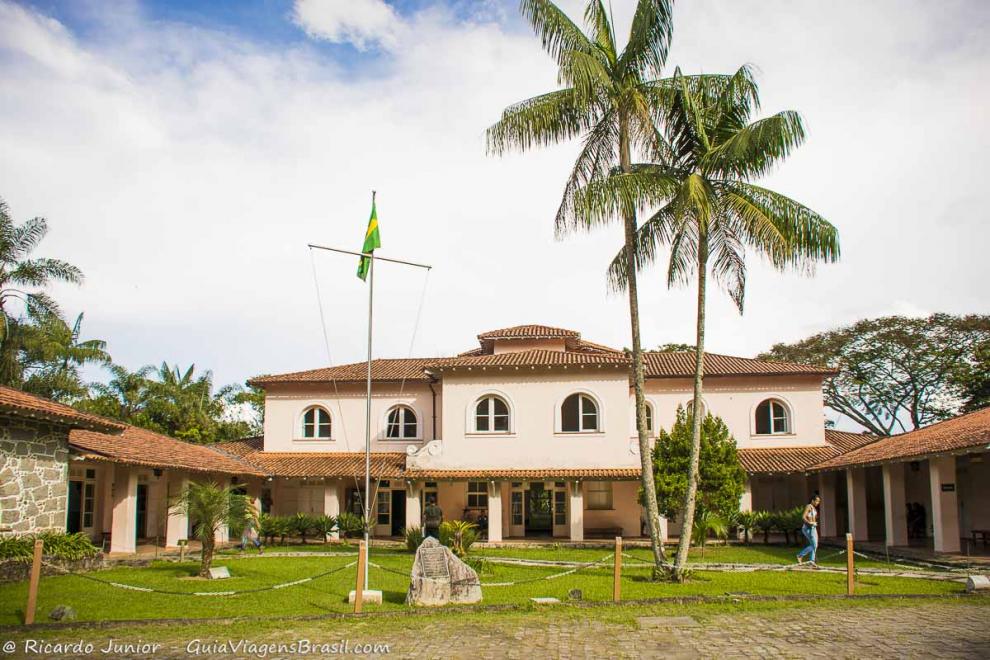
(432, 517)
(810, 530)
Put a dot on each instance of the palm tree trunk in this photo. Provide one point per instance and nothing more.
(645, 454)
(690, 497)
(207, 561)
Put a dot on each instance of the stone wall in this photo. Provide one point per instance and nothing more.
(34, 458)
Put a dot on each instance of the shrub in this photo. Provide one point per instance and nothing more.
(705, 523)
(414, 537)
(766, 522)
(747, 521)
(301, 524)
(350, 524)
(71, 547)
(324, 525)
(458, 535)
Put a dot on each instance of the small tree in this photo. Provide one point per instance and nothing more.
(722, 479)
(213, 506)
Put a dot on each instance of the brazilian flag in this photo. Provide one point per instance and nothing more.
(372, 240)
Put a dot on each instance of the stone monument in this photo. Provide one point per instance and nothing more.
(439, 577)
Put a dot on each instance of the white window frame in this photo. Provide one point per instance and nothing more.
(788, 416)
(479, 495)
(404, 409)
(472, 417)
(599, 414)
(300, 433)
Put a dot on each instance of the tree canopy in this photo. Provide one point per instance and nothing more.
(898, 374)
(721, 478)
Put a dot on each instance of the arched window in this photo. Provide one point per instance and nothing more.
(401, 424)
(316, 423)
(689, 407)
(578, 414)
(491, 415)
(772, 417)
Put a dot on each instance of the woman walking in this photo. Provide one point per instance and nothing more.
(810, 530)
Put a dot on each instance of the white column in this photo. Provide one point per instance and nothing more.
(894, 508)
(746, 499)
(177, 526)
(576, 511)
(123, 531)
(494, 512)
(663, 528)
(414, 505)
(856, 496)
(945, 508)
(826, 490)
(107, 512)
(331, 503)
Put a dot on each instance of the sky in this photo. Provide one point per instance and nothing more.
(185, 154)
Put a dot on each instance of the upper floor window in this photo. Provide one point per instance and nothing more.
(579, 413)
(316, 423)
(689, 407)
(491, 415)
(772, 417)
(401, 424)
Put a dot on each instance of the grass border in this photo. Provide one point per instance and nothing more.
(479, 609)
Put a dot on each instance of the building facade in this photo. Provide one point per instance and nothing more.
(532, 433)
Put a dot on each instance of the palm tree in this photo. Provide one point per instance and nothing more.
(710, 211)
(59, 351)
(608, 99)
(127, 392)
(20, 277)
(213, 506)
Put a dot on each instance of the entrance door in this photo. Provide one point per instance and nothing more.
(142, 511)
(539, 511)
(74, 516)
(398, 512)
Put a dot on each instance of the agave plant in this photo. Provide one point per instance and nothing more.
(458, 535)
(766, 522)
(414, 537)
(324, 525)
(302, 524)
(708, 523)
(747, 522)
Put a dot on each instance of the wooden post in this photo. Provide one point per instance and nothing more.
(32, 602)
(359, 584)
(617, 571)
(850, 566)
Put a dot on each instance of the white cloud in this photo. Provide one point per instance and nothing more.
(184, 170)
(363, 23)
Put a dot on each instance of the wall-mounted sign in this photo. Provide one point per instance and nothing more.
(948, 488)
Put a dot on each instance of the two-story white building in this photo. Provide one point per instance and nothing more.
(532, 433)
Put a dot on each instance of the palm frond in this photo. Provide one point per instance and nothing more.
(619, 194)
(649, 39)
(597, 19)
(40, 272)
(558, 33)
(752, 151)
(727, 256)
(656, 232)
(598, 153)
(788, 233)
(540, 121)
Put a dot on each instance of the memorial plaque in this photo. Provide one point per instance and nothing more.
(434, 564)
(219, 573)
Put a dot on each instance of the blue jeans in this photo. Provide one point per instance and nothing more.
(811, 533)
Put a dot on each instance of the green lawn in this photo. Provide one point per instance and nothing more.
(96, 601)
(756, 553)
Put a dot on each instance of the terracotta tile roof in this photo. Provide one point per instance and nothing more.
(529, 332)
(316, 464)
(541, 473)
(846, 441)
(136, 446)
(381, 370)
(534, 358)
(959, 434)
(783, 460)
(680, 364)
(27, 405)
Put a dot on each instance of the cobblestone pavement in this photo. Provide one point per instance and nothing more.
(929, 630)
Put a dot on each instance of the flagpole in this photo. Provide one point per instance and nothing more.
(367, 419)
